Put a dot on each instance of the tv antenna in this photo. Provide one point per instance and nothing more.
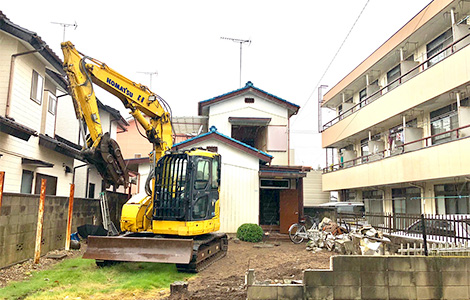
(65, 25)
(151, 75)
(241, 43)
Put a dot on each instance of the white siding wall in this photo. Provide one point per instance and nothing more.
(313, 194)
(8, 47)
(49, 117)
(219, 114)
(239, 190)
(24, 110)
(67, 124)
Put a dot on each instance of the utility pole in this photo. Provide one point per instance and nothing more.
(151, 75)
(241, 43)
(65, 25)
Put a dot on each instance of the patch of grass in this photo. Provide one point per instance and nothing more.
(82, 278)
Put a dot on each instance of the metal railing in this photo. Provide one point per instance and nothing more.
(418, 144)
(430, 228)
(393, 84)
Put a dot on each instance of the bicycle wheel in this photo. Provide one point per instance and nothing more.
(297, 232)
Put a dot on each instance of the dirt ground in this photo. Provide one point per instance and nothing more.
(225, 278)
(275, 260)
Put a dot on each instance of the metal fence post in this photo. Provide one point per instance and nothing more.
(69, 218)
(37, 249)
(424, 235)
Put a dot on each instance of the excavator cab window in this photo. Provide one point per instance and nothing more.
(202, 174)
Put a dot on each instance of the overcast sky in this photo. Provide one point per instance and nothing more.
(292, 44)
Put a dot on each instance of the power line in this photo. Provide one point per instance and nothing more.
(332, 60)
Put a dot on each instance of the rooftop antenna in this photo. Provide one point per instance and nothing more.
(65, 25)
(151, 75)
(241, 43)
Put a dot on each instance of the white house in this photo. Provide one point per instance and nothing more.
(239, 179)
(259, 185)
(33, 144)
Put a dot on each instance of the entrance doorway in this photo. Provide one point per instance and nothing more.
(269, 208)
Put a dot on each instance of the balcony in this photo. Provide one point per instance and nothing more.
(452, 70)
(437, 156)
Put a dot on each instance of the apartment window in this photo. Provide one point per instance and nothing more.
(406, 200)
(373, 201)
(442, 120)
(362, 96)
(392, 77)
(396, 136)
(452, 198)
(37, 87)
(348, 195)
(437, 45)
(365, 150)
(52, 105)
(27, 182)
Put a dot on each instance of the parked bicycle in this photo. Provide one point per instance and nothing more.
(298, 232)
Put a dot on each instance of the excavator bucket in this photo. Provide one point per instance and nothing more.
(139, 249)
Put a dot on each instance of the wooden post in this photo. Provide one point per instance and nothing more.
(37, 249)
(69, 218)
(2, 179)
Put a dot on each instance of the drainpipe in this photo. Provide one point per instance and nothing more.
(12, 72)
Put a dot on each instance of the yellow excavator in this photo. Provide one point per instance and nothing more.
(176, 220)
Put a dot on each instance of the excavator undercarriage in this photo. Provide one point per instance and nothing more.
(189, 254)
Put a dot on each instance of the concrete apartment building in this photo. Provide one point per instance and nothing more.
(399, 141)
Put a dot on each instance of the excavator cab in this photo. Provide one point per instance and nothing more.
(186, 187)
(186, 197)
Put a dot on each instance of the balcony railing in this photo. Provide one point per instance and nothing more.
(450, 135)
(394, 84)
(437, 228)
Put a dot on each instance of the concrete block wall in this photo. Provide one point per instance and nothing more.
(18, 223)
(378, 277)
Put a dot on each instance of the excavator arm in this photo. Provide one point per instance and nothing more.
(146, 107)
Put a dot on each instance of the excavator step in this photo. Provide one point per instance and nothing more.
(139, 249)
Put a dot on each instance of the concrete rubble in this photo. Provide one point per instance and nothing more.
(364, 240)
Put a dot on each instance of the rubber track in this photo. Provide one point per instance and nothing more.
(210, 239)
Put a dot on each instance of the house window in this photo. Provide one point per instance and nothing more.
(452, 198)
(249, 100)
(91, 190)
(392, 77)
(362, 97)
(36, 87)
(27, 182)
(437, 45)
(275, 184)
(51, 184)
(443, 120)
(52, 105)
